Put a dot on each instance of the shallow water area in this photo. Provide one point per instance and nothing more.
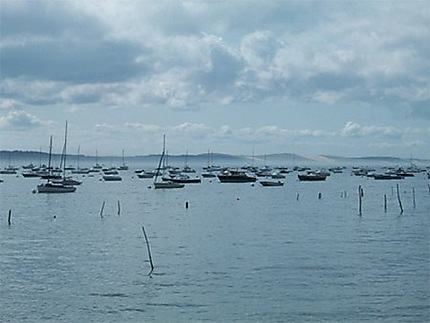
(239, 252)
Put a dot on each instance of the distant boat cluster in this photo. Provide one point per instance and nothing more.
(167, 177)
(60, 180)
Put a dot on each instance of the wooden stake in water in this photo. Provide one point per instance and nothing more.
(398, 198)
(360, 195)
(9, 216)
(101, 210)
(149, 251)
(385, 202)
(119, 208)
(413, 196)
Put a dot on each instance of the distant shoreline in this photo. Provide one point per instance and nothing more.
(12, 156)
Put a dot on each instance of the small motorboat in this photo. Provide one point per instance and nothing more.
(234, 176)
(168, 184)
(112, 177)
(271, 183)
(312, 177)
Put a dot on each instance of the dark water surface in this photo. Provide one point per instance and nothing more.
(238, 253)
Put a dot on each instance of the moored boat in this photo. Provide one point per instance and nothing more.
(30, 173)
(8, 171)
(183, 178)
(166, 184)
(67, 181)
(112, 177)
(235, 176)
(208, 175)
(387, 176)
(51, 187)
(312, 177)
(144, 174)
(53, 184)
(271, 183)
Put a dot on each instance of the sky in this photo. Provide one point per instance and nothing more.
(331, 77)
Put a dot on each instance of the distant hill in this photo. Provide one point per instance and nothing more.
(282, 159)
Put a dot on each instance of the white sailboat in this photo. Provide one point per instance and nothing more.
(78, 169)
(97, 167)
(54, 187)
(123, 166)
(65, 180)
(164, 184)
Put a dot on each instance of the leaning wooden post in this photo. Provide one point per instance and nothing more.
(398, 198)
(413, 196)
(149, 251)
(360, 195)
(101, 210)
(9, 217)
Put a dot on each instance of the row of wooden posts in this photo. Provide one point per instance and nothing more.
(342, 195)
(399, 200)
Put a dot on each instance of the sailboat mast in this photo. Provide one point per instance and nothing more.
(50, 152)
(161, 159)
(65, 151)
(77, 158)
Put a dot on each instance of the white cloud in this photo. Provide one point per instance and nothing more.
(278, 59)
(19, 120)
(353, 129)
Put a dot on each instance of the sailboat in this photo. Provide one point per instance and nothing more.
(123, 166)
(66, 180)
(78, 169)
(54, 187)
(166, 183)
(97, 167)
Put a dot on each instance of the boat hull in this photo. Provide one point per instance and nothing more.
(112, 178)
(185, 180)
(386, 177)
(167, 185)
(145, 175)
(236, 178)
(311, 178)
(269, 183)
(55, 188)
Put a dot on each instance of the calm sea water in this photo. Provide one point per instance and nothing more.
(240, 252)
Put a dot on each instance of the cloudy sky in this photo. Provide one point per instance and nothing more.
(337, 77)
